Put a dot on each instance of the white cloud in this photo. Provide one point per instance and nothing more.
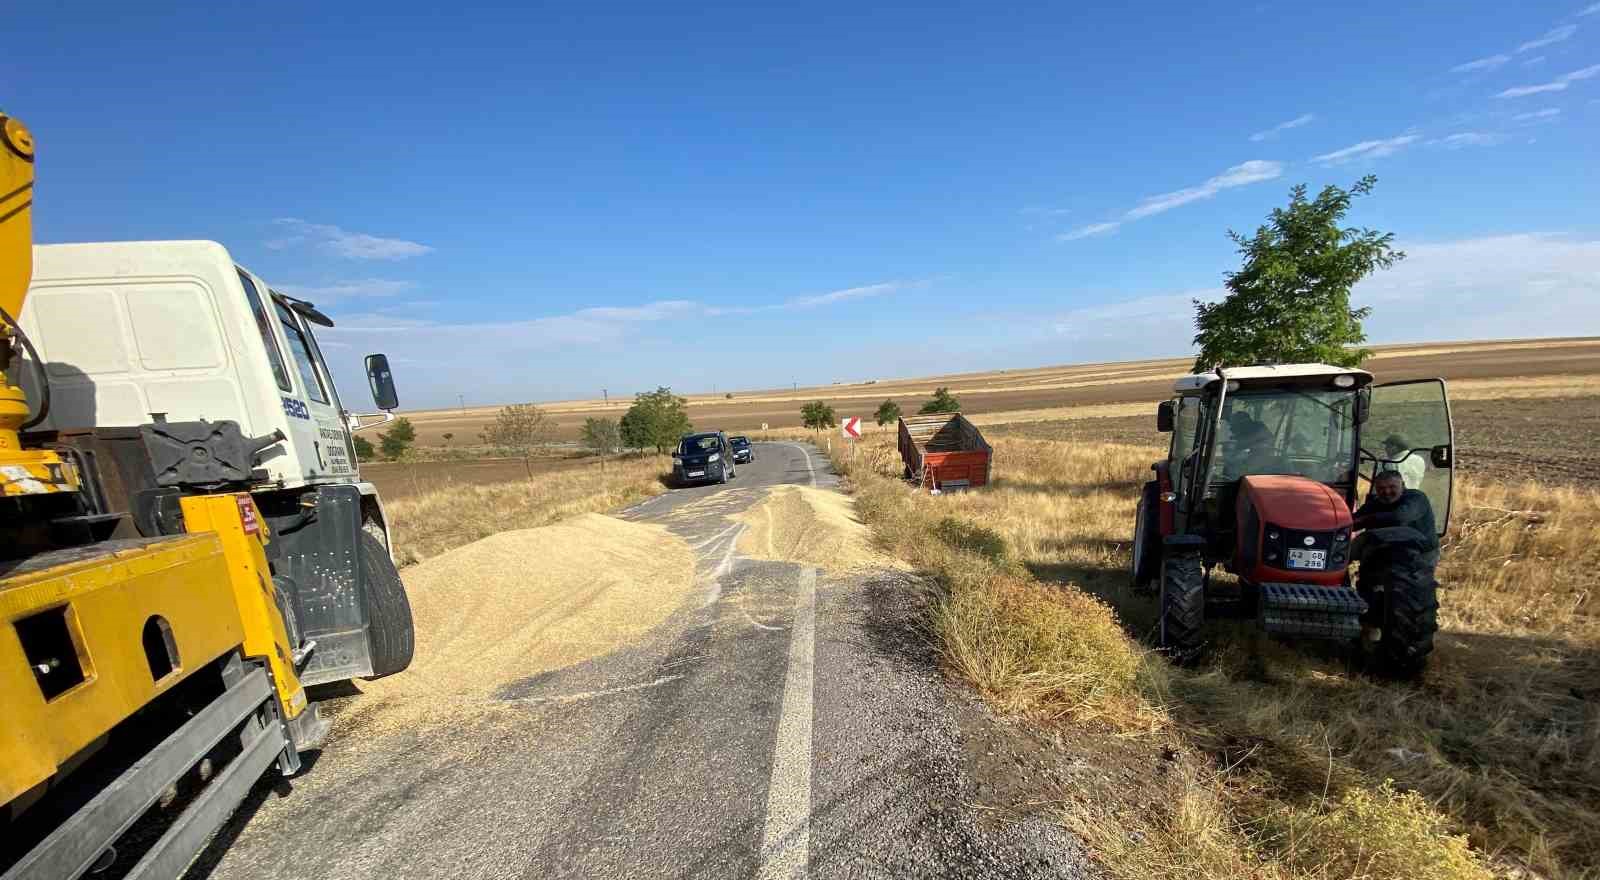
(1167, 315)
(1091, 230)
(1590, 10)
(1243, 174)
(1303, 119)
(1469, 139)
(655, 311)
(338, 290)
(1367, 150)
(1546, 113)
(849, 293)
(342, 243)
(1482, 64)
(1537, 59)
(1554, 36)
(1559, 84)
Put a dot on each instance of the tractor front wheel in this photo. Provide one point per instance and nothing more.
(1410, 619)
(1183, 604)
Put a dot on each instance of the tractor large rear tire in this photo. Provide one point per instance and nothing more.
(390, 630)
(1183, 604)
(1147, 538)
(1410, 620)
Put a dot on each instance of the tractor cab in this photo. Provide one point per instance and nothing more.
(1264, 469)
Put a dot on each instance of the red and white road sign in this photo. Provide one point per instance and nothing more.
(851, 428)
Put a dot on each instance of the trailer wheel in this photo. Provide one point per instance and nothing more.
(1147, 538)
(390, 629)
(1410, 620)
(1183, 604)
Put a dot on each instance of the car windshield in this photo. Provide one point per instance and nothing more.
(1305, 432)
(739, 442)
(698, 443)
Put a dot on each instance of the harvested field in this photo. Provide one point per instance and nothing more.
(1038, 389)
(525, 602)
(811, 526)
(396, 480)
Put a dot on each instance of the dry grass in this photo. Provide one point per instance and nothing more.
(430, 523)
(1500, 740)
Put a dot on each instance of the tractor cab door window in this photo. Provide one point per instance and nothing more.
(1185, 425)
(1409, 430)
(300, 349)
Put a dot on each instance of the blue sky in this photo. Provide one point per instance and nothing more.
(543, 202)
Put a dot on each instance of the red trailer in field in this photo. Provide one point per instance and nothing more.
(944, 451)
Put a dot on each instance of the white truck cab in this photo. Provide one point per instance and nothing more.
(169, 371)
(139, 332)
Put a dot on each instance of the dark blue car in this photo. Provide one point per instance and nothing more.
(703, 458)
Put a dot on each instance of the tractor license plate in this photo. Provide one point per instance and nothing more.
(1317, 559)
(697, 473)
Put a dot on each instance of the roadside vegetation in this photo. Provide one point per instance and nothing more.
(431, 522)
(1274, 760)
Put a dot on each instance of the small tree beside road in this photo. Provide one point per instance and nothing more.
(1290, 301)
(522, 427)
(364, 448)
(395, 441)
(942, 402)
(888, 411)
(602, 435)
(657, 418)
(817, 415)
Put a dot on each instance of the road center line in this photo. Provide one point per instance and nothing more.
(786, 839)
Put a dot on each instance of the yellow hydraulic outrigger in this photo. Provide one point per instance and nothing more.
(176, 638)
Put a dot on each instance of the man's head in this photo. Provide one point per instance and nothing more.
(1388, 486)
(1396, 446)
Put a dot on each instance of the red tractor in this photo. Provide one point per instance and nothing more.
(1261, 477)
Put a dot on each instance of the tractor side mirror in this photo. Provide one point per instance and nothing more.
(382, 382)
(1440, 456)
(1164, 418)
(1363, 405)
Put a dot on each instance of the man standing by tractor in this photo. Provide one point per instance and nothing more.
(1409, 464)
(1392, 505)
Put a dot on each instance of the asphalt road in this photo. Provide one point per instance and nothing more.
(782, 724)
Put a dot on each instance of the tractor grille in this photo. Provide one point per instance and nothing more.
(1315, 612)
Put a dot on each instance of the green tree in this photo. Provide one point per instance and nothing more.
(656, 418)
(817, 415)
(364, 448)
(395, 441)
(602, 435)
(522, 427)
(888, 411)
(942, 402)
(1290, 300)
(448, 436)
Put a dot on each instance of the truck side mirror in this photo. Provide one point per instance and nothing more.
(1164, 417)
(382, 382)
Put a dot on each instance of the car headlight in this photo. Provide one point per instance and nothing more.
(677, 460)
(713, 457)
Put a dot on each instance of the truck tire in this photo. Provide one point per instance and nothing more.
(1410, 620)
(1147, 538)
(1183, 605)
(390, 628)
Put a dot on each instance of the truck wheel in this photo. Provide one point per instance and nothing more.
(1410, 619)
(390, 628)
(1183, 605)
(1147, 538)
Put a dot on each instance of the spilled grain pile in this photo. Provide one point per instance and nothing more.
(520, 603)
(812, 526)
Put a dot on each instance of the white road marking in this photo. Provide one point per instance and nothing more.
(714, 590)
(756, 623)
(786, 839)
(809, 469)
(589, 695)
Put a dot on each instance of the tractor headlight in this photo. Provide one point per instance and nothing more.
(1272, 536)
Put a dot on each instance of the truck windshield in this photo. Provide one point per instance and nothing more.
(1304, 432)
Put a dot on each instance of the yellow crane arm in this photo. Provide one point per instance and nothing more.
(16, 214)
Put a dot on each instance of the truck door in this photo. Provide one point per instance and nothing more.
(319, 428)
(1408, 429)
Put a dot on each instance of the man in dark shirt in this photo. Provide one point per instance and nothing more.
(1393, 505)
